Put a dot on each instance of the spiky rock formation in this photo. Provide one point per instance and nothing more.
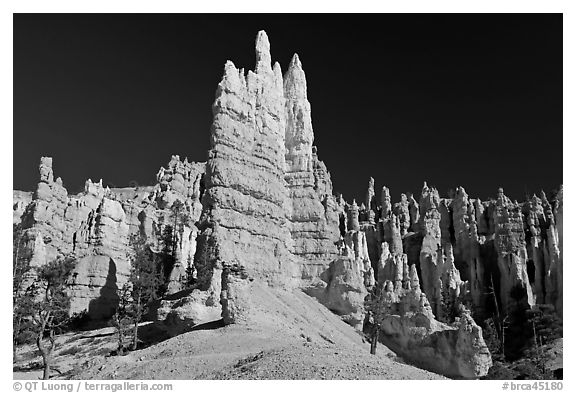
(463, 251)
(370, 194)
(262, 210)
(402, 211)
(558, 211)
(392, 266)
(344, 285)
(510, 244)
(95, 227)
(20, 200)
(431, 255)
(244, 221)
(466, 240)
(268, 205)
(392, 234)
(386, 202)
(313, 211)
(467, 243)
(92, 227)
(408, 327)
(414, 210)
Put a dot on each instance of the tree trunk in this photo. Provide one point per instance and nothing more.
(46, 374)
(120, 341)
(135, 342)
(374, 342)
(46, 353)
(120, 335)
(136, 320)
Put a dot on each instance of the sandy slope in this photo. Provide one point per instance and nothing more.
(289, 336)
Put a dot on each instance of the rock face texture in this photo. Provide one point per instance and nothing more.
(313, 212)
(20, 199)
(268, 207)
(245, 222)
(510, 245)
(95, 226)
(461, 249)
(345, 291)
(408, 327)
(558, 211)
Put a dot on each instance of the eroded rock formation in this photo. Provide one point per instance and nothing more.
(408, 327)
(262, 210)
(313, 214)
(95, 226)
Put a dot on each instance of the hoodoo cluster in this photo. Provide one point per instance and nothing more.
(262, 209)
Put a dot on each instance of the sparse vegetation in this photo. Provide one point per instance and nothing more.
(20, 269)
(123, 318)
(145, 285)
(43, 308)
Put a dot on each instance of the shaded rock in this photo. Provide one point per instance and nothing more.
(515, 288)
(244, 221)
(312, 211)
(408, 327)
(20, 201)
(342, 290)
(95, 226)
(182, 311)
(402, 211)
(235, 296)
(558, 212)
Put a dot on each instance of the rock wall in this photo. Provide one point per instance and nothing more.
(343, 290)
(313, 212)
(95, 226)
(558, 211)
(407, 326)
(20, 200)
(510, 245)
(268, 206)
(475, 246)
(245, 221)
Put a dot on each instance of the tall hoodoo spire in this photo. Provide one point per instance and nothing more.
(299, 133)
(263, 57)
(295, 80)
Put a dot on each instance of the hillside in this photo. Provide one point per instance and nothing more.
(289, 336)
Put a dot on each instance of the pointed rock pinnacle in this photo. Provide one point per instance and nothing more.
(263, 58)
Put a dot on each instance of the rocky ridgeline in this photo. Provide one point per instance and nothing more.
(409, 326)
(262, 210)
(95, 226)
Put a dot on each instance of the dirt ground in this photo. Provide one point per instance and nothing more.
(289, 336)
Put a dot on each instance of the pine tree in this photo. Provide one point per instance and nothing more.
(190, 280)
(44, 307)
(146, 280)
(123, 318)
(379, 304)
(20, 269)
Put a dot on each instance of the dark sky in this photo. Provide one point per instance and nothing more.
(472, 100)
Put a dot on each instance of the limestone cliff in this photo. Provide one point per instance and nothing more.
(95, 226)
(408, 327)
(313, 211)
(244, 221)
